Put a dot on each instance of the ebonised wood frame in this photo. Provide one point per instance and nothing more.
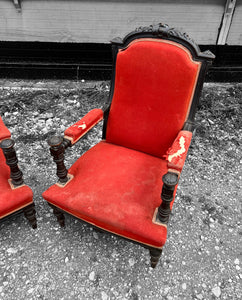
(57, 149)
(162, 31)
(16, 176)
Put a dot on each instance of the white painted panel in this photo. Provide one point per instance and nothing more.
(98, 21)
(235, 32)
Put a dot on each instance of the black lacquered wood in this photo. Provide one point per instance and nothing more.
(29, 213)
(57, 149)
(170, 180)
(11, 159)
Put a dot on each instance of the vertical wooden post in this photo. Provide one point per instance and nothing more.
(57, 150)
(11, 159)
(17, 5)
(226, 22)
(170, 180)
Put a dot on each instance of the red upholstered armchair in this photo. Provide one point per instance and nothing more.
(15, 196)
(126, 183)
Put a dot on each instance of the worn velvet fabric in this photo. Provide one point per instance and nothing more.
(177, 153)
(154, 85)
(77, 130)
(117, 189)
(11, 200)
(117, 183)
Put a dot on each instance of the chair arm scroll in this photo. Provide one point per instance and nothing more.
(80, 128)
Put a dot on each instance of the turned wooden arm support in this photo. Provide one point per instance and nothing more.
(80, 128)
(58, 146)
(73, 134)
(16, 175)
(177, 153)
(170, 180)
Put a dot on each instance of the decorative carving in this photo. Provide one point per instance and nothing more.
(208, 52)
(164, 31)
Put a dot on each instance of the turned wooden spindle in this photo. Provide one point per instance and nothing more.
(11, 159)
(170, 180)
(57, 149)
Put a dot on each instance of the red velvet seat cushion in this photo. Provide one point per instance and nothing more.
(117, 189)
(11, 200)
(154, 86)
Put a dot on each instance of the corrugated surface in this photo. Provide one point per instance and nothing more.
(99, 21)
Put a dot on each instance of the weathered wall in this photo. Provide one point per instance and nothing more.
(235, 32)
(98, 21)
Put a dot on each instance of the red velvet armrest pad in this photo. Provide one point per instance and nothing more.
(176, 154)
(4, 132)
(77, 130)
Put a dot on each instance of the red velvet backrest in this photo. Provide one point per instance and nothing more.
(4, 132)
(154, 85)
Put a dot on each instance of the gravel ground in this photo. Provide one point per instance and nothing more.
(202, 258)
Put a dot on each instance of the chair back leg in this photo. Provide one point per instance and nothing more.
(59, 215)
(29, 213)
(155, 256)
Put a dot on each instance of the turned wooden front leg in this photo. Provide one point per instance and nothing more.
(57, 149)
(170, 180)
(11, 159)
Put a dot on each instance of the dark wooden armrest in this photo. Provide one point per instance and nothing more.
(9, 152)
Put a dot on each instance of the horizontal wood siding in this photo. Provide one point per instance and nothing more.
(235, 32)
(98, 21)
